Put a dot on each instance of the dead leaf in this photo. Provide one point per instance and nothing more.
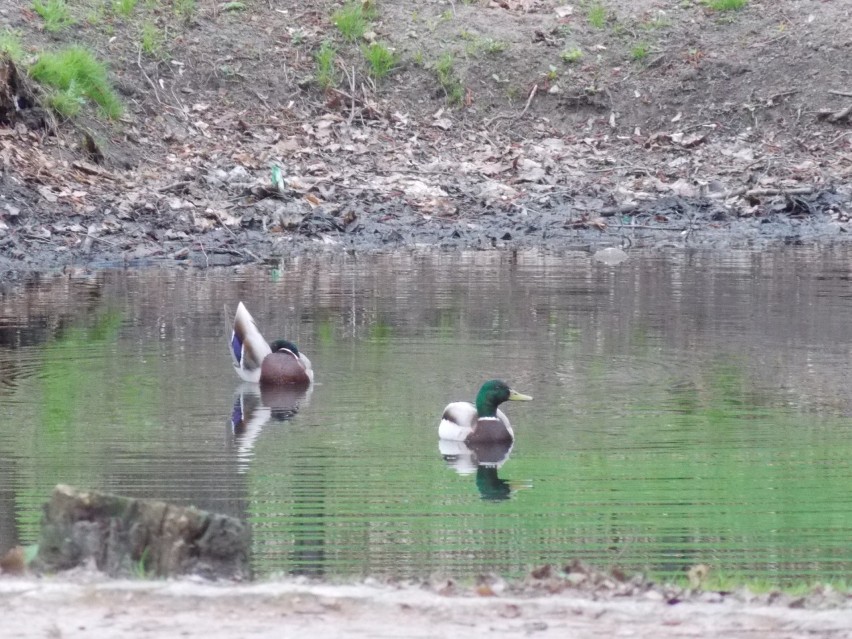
(47, 194)
(312, 199)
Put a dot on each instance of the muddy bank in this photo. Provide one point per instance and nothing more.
(299, 609)
(650, 127)
(553, 224)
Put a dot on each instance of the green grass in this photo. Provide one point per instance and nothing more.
(572, 55)
(380, 58)
(596, 15)
(552, 74)
(726, 5)
(123, 8)
(152, 40)
(326, 74)
(10, 44)
(452, 86)
(351, 20)
(55, 14)
(477, 45)
(74, 74)
(68, 102)
(716, 581)
(140, 568)
(185, 9)
(657, 23)
(96, 15)
(640, 51)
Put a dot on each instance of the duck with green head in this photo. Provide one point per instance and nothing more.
(274, 363)
(483, 423)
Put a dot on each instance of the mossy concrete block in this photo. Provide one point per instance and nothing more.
(125, 536)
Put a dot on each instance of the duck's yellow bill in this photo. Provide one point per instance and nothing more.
(519, 397)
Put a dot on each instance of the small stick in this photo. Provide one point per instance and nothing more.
(529, 101)
(801, 190)
(151, 82)
(506, 116)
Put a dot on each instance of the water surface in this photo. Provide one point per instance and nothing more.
(689, 408)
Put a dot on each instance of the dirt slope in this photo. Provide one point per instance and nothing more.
(580, 124)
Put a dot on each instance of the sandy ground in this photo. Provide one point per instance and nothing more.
(47, 608)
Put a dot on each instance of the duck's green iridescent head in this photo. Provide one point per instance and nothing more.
(283, 344)
(493, 393)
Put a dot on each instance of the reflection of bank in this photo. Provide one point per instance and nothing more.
(482, 459)
(254, 406)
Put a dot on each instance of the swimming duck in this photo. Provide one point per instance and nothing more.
(255, 360)
(484, 422)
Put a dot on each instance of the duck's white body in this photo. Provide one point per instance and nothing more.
(460, 419)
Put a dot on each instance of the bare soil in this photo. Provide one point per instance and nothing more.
(90, 607)
(677, 126)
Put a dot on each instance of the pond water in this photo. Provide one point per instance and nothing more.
(688, 408)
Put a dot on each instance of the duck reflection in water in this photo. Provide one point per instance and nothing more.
(254, 406)
(483, 460)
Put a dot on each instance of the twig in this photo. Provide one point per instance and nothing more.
(783, 94)
(508, 116)
(616, 210)
(175, 186)
(648, 228)
(529, 101)
(835, 116)
(801, 190)
(224, 226)
(844, 94)
(204, 253)
(252, 255)
(352, 90)
(150, 81)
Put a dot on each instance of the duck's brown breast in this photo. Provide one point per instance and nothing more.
(489, 430)
(282, 368)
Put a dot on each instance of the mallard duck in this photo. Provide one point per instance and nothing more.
(484, 422)
(255, 360)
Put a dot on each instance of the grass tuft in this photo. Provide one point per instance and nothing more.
(571, 56)
(380, 58)
(10, 44)
(184, 9)
(726, 5)
(351, 20)
(75, 74)
(152, 40)
(452, 86)
(123, 8)
(326, 74)
(596, 15)
(640, 51)
(55, 14)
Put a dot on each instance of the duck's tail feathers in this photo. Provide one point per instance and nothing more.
(307, 364)
(248, 348)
